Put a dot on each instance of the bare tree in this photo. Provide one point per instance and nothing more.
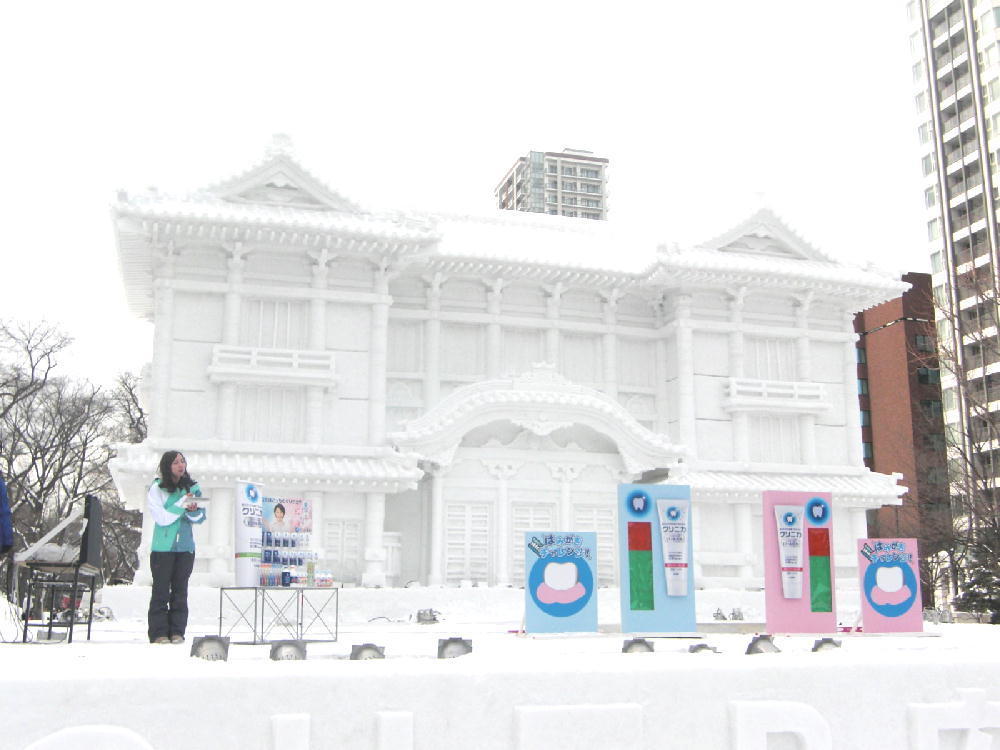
(969, 356)
(58, 436)
(128, 408)
(28, 355)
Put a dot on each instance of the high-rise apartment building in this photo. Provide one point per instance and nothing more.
(570, 182)
(956, 75)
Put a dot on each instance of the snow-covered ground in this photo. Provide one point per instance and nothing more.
(512, 691)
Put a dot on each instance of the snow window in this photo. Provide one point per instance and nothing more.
(464, 356)
(770, 359)
(405, 346)
(580, 358)
(522, 347)
(636, 363)
(467, 542)
(342, 547)
(775, 439)
(274, 324)
(272, 414)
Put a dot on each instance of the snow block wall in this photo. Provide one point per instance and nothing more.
(605, 702)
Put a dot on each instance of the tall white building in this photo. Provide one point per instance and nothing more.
(571, 182)
(956, 75)
(436, 396)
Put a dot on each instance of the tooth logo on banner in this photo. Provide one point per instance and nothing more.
(252, 494)
(638, 503)
(817, 511)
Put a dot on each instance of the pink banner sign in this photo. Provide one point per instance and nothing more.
(799, 585)
(889, 574)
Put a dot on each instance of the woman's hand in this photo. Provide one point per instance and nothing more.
(191, 502)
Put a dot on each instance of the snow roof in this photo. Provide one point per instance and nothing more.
(762, 252)
(279, 202)
(861, 485)
(521, 237)
(276, 192)
(322, 467)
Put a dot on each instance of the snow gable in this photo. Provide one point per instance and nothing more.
(764, 234)
(281, 181)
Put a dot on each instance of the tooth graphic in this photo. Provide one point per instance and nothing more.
(889, 579)
(560, 576)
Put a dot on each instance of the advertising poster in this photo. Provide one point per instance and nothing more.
(799, 583)
(655, 557)
(246, 537)
(560, 571)
(890, 586)
(289, 515)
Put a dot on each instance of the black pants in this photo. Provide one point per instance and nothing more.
(168, 606)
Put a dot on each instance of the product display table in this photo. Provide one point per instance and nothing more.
(262, 614)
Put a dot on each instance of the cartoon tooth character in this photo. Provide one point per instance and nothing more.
(890, 588)
(560, 584)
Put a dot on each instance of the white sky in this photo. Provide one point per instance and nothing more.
(700, 107)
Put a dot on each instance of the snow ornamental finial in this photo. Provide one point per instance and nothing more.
(281, 145)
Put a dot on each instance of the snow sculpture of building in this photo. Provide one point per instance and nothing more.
(435, 397)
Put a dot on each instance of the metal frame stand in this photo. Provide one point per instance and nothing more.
(265, 614)
(50, 582)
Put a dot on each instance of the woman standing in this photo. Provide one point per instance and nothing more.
(173, 505)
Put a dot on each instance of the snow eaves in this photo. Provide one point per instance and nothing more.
(864, 486)
(206, 208)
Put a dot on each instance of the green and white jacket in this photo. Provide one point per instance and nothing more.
(172, 522)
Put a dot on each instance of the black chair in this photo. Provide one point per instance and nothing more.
(70, 580)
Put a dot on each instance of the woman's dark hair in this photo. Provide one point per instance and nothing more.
(283, 511)
(167, 475)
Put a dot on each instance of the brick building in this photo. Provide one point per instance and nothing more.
(901, 417)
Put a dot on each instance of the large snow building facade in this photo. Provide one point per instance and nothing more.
(437, 387)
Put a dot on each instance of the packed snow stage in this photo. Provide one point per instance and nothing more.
(513, 691)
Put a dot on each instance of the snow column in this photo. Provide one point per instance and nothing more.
(807, 422)
(611, 344)
(220, 525)
(685, 374)
(494, 336)
(226, 425)
(436, 546)
(317, 342)
(220, 515)
(743, 516)
(662, 394)
(737, 369)
(374, 573)
(318, 540)
(432, 343)
(164, 291)
(315, 394)
(741, 509)
(502, 471)
(553, 294)
(852, 409)
(163, 339)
